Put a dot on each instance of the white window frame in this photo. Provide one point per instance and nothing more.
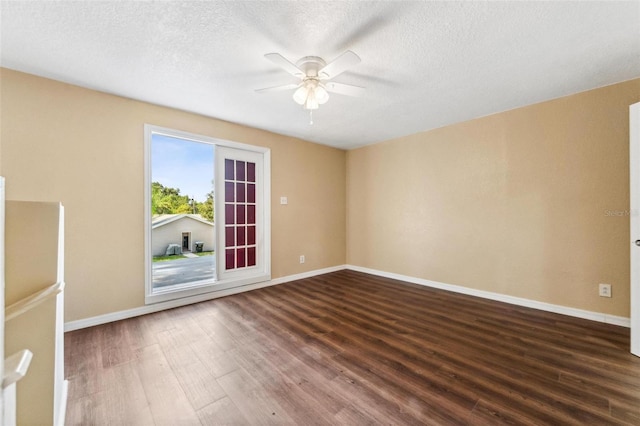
(213, 285)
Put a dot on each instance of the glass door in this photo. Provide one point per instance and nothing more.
(242, 206)
(197, 242)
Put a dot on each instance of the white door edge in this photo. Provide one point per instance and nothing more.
(634, 188)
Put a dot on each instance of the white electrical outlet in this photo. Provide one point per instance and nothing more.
(604, 290)
(302, 258)
(283, 200)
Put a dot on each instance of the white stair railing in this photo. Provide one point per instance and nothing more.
(26, 304)
(16, 366)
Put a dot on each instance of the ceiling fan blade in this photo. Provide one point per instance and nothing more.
(278, 88)
(344, 89)
(285, 64)
(339, 65)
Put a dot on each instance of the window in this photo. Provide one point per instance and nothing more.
(197, 242)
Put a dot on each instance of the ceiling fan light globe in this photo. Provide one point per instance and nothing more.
(312, 102)
(300, 95)
(321, 94)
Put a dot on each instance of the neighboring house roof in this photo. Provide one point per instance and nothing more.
(164, 219)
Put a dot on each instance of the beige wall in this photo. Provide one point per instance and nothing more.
(85, 149)
(515, 203)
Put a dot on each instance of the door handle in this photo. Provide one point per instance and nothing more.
(638, 243)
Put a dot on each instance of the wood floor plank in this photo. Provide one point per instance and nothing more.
(625, 411)
(216, 361)
(613, 390)
(369, 367)
(126, 401)
(593, 399)
(83, 363)
(353, 349)
(122, 401)
(488, 413)
(167, 401)
(114, 344)
(217, 331)
(283, 389)
(223, 412)
(312, 367)
(87, 410)
(256, 403)
(440, 387)
(197, 381)
(142, 330)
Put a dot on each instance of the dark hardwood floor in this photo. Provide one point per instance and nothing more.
(351, 348)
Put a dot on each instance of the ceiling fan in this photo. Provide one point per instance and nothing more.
(314, 74)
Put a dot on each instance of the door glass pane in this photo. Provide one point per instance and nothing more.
(251, 235)
(251, 172)
(240, 192)
(229, 234)
(241, 236)
(230, 259)
(228, 214)
(229, 195)
(240, 214)
(251, 193)
(251, 214)
(251, 256)
(240, 171)
(228, 169)
(240, 258)
(182, 223)
(242, 196)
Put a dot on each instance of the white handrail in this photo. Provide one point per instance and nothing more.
(23, 305)
(15, 367)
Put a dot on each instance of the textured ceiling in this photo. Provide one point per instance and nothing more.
(424, 64)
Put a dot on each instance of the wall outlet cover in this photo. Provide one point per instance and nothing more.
(604, 290)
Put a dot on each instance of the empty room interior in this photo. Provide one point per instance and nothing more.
(320, 212)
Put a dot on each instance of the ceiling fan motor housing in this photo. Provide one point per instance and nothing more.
(311, 65)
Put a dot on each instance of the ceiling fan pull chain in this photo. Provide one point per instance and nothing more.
(310, 117)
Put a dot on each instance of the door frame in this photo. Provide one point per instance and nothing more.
(3, 401)
(634, 198)
(188, 247)
(214, 285)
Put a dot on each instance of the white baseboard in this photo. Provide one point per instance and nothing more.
(161, 306)
(309, 274)
(548, 307)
